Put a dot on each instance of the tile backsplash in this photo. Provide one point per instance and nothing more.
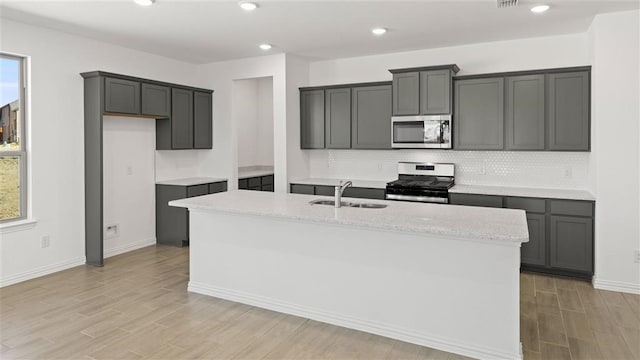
(561, 170)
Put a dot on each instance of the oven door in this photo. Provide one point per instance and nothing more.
(422, 195)
(413, 133)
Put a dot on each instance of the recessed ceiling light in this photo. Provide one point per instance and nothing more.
(265, 47)
(378, 31)
(540, 8)
(144, 2)
(248, 6)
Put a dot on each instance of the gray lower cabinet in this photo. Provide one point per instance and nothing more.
(571, 243)
(202, 124)
(181, 119)
(371, 117)
(257, 183)
(155, 100)
(121, 96)
(312, 119)
(172, 223)
(338, 118)
(525, 115)
(568, 111)
(326, 190)
(479, 114)
(406, 93)
(560, 232)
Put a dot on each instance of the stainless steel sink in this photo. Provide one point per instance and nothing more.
(349, 204)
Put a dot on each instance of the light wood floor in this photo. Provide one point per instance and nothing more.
(137, 307)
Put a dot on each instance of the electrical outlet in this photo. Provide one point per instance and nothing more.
(636, 257)
(568, 172)
(483, 170)
(45, 241)
(111, 231)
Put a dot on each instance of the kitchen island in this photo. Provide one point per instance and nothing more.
(441, 276)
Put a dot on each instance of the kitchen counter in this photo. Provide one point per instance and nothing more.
(254, 171)
(405, 272)
(190, 181)
(478, 224)
(334, 182)
(523, 192)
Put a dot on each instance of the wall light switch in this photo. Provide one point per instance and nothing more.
(129, 170)
(45, 242)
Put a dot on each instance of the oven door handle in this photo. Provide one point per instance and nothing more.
(431, 199)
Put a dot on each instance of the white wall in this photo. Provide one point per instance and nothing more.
(253, 117)
(56, 163)
(615, 55)
(129, 182)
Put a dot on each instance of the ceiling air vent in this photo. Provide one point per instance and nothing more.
(507, 3)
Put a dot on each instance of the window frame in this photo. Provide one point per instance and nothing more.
(22, 153)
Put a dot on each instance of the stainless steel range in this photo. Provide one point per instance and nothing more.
(422, 182)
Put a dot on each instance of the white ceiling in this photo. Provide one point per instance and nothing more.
(207, 31)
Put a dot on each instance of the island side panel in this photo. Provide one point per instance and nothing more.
(455, 295)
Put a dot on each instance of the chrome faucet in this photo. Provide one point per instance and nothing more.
(338, 192)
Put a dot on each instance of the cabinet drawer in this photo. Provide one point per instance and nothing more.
(255, 188)
(530, 205)
(325, 190)
(242, 184)
(267, 180)
(476, 200)
(364, 193)
(253, 182)
(572, 207)
(217, 187)
(197, 190)
(302, 189)
(267, 187)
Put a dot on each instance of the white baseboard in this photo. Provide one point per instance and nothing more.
(129, 247)
(428, 340)
(41, 271)
(620, 286)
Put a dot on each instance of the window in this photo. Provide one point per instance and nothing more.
(13, 155)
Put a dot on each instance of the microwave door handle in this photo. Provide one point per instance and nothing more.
(440, 139)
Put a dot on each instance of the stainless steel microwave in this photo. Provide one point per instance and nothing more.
(421, 132)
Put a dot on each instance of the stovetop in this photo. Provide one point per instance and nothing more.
(423, 182)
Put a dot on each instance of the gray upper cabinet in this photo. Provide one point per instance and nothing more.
(121, 96)
(479, 114)
(181, 119)
(525, 115)
(568, 111)
(338, 118)
(406, 93)
(202, 120)
(435, 92)
(312, 119)
(155, 100)
(371, 117)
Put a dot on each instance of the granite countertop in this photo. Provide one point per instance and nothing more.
(190, 181)
(506, 226)
(524, 192)
(253, 173)
(334, 182)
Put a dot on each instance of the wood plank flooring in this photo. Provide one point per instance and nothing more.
(137, 307)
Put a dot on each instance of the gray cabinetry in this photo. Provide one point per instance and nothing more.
(435, 92)
(302, 189)
(172, 223)
(181, 119)
(155, 100)
(479, 114)
(525, 115)
(257, 183)
(406, 93)
(312, 119)
(326, 190)
(534, 251)
(371, 117)
(475, 200)
(571, 243)
(338, 118)
(568, 111)
(202, 116)
(121, 96)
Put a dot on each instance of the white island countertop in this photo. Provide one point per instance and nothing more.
(190, 181)
(505, 226)
(568, 194)
(372, 184)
